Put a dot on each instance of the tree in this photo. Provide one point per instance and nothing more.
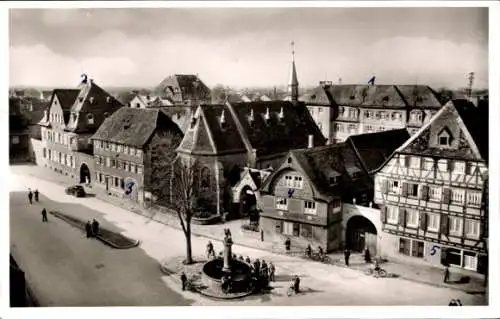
(444, 95)
(183, 194)
(219, 94)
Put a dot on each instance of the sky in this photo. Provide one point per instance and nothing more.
(245, 47)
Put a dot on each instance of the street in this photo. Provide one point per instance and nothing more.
(66, 269)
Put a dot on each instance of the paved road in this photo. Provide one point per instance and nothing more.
(323, 284)
(66, 269)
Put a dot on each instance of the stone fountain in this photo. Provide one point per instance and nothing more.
(239, 271)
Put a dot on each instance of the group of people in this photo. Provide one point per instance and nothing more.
(92, 228)
(34, 194)
(262, 272)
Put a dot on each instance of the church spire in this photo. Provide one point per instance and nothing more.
(293, 85)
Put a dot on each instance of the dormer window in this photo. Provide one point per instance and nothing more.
(385, 99)
(45, 115)
(223, 123)
(289, 160)
(267, 116)
(341, 110)
(444, 137)
(73, 116)
(106, 114)
(90, 118)
(416, 116)
(108, 99)
(419, 99)
(80, 99)
(193, 122)
(92, 100)
(352, 97)
(332, 180)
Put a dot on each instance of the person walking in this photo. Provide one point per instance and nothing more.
(44, 216)
(247, 260)
(88, 229)
(347, 254)
(271, 271)
(296, 284)
(183, 280)
(30, 196)
(446, 274)
(288, 244)
(210, 249)
(95, 227)
(36, 195)
(368, 257)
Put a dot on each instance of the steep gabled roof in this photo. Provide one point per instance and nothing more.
(134, 127)
(317, 96)
(374, 149)
(320, 163)
(471, 122)
(386, 96)
(276, 135)
(348, 94)
(190, 86)
(66, 97)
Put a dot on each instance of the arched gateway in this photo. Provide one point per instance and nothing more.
(84, 174)
(361, 233)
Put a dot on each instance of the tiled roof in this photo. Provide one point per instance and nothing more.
(375, 148)
(340, 160)
(227, 139)
(420, 96)
(66, 97)
(348, 94)
(383, 95)
(317, 96)
(125, 97)
(190, 87)
(476, 121)
(133, 127)
(277, 136)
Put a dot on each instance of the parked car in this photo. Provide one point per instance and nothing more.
(76, 190)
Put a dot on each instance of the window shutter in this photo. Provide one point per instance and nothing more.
(407, 161)
(402, 217)
(446, 195)
(451, 165)
(404, 192)
(424, 192)
(445, 225)
(383, 215)
(466, 226)
(423, 221)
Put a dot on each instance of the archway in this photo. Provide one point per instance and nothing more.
(84, 174)
(361, 233)
(248, 203)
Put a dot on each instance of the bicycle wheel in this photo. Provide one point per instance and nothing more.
(382, 273)
(289, 291)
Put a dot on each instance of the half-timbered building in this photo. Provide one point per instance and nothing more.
(433, 191)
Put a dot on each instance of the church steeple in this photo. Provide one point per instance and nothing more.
(293, 85)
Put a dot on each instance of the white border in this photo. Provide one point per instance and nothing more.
(269, 312)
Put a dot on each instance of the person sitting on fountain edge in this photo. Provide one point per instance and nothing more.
(308, 251)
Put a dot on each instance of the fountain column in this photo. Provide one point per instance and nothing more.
(228, 242)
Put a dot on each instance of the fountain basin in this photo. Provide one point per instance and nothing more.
(241, 274)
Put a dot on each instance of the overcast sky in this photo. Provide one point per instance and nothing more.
(249, 47)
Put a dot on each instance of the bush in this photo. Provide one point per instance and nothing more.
(203, 214)
(250, 227)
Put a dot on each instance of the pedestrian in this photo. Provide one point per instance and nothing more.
(36, 195)
(261, 235)
(183, 280)
(88, 229)
(95, 227)
(44, 216)
(263, 269)
(256, 267)
(308, 251)
(296, 284)
(247, 260)
(272, 270)
(241, 258)
(30, 196)
(368, 258)
(446, 274)
(229, 233)
(347, 254)
(221, 254)
(210, 249)
(288, 243)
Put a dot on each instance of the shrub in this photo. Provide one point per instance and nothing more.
(203, 214)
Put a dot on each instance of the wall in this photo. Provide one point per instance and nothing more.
(36, 149)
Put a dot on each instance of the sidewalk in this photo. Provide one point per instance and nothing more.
(423, 274)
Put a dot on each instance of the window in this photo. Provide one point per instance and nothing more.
(368, 114)
(122, 183)
(416, 116)
(113, 163)
(395, 116)
(297, 181)
(291, 229)
(336, 203)
(90, 118)
(281, 203)
(443, 165)
(472, 228)
(332, 180)
(435, 193)
(320, 110)
(394, 187)
(444, 137)
(413, 248)
(412, 189)
(100, 178)
(119, 148)
(306, 231)
(455, 226)
(411, 218)
(429, 164)
(352, 128)
(352, 113)
(457, 196)
(433, 222)
(368, 128)
(454, 256)
(414, 162)
(108, 162)
(383, 115)
(125, 149)
(117, 182)
(113, 147)
(133, 168)
(470, 260)
(309, 207)
(139, 169)
(338, 127)
(459, 168)
(474, 198)
(392, 215)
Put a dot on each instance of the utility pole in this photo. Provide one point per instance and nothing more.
(470, 77)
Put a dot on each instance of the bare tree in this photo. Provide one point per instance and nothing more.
(183, 194)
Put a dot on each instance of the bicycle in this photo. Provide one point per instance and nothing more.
(382, 273)
(290, 291)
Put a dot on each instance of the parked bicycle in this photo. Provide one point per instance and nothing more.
(376, 272)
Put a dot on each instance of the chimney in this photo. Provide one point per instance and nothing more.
(311, 141)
